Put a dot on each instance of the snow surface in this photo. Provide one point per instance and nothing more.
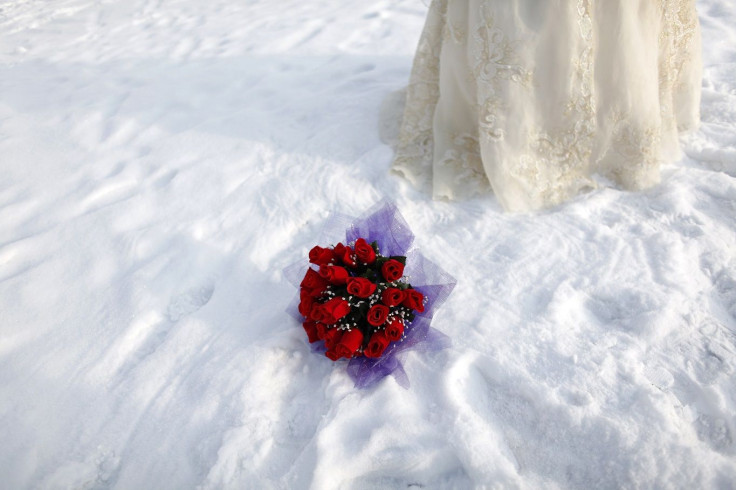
(163, 160)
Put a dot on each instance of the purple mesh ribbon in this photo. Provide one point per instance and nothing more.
(384, 224)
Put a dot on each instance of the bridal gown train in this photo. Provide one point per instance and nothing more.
(534, 98)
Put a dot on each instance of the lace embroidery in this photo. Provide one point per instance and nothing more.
(497, 61)
(466, 164)
(558, 161)
(638, 149)
(455, 32)
(414, 151)
(549, 163)
(680, 27)
(676, 39)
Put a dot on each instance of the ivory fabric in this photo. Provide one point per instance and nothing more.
(533, 98)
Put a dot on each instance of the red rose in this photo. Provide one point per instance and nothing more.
(321, 256)
(392, 296)
(311, 328)
(316, 293)
(361, 287)
(364, 251)
(334, 274)
(348, 257)
(376, 345)
(349, 343)
(305, 305)
(313, 281)
(332, 354)
(414, 300)
(339, 251)
(321, 330)
(394, 329)
(316, 314)
(392, 270)
(377, 315)
(331, 311)
(332, 337)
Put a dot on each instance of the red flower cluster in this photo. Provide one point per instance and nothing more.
(357, 301)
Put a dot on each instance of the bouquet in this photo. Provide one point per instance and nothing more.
(356, 300)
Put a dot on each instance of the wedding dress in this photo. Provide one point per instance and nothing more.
(539, 100)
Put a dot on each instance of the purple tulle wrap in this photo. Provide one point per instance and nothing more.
(385, 225)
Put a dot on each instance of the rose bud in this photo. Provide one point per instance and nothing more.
(332, 354)
(376, 345)
(392, 296)
(364, 251)
(339, 251)
(349, 343)
(333, 310)
(392, 270)
(377, 315)
(332, 337)
(321, 256)
(348, 257)
(317, 314)
(360, 287)
(316, 293)
(311, 328)
(414, 300)
(305, 305)
(312, 280)
(394, 329)
(334, 274)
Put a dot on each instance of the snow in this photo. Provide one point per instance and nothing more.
(163, 160)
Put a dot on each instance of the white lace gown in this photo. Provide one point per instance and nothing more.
(533, 99)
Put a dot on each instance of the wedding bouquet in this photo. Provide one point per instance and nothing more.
(356, 300)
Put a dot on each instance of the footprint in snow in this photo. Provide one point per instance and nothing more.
(659, 377)
(715, 431)
(188, 302)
